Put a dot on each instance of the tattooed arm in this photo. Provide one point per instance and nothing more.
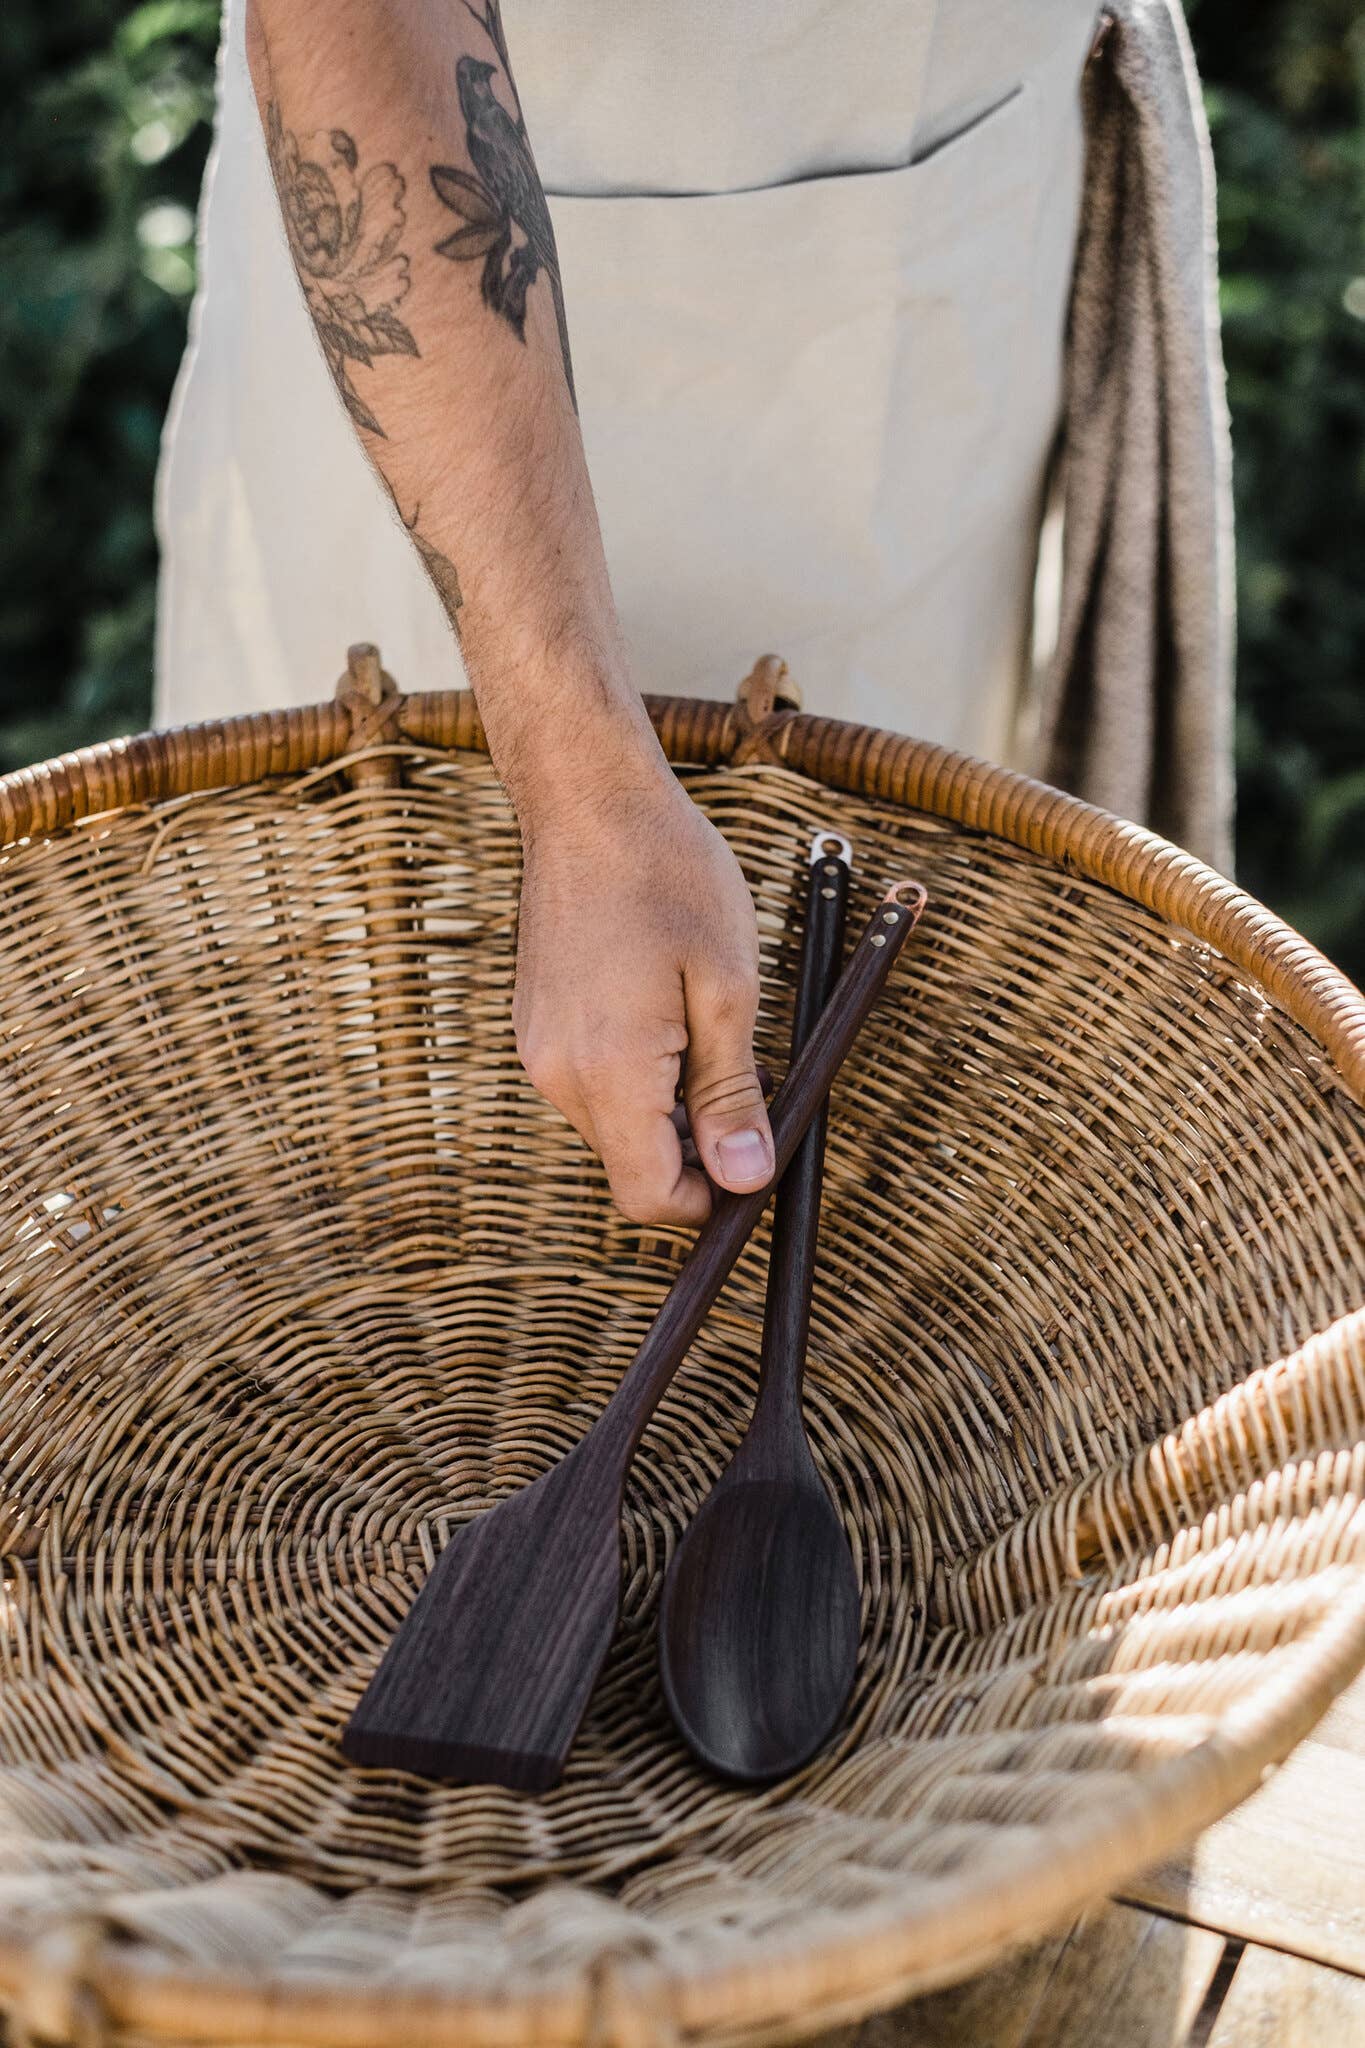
(422, 239)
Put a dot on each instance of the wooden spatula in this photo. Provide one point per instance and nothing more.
(487, 1679)
(758, 1626)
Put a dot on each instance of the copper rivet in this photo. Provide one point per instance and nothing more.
(879, 938)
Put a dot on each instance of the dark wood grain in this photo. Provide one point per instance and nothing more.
(488, 1677)
(758, 1628)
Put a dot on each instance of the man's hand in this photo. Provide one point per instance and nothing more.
(638, 944)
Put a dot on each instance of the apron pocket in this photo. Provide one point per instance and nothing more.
(800, 401)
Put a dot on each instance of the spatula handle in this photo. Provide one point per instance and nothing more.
(722, 1237)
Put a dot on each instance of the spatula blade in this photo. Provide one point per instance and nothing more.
(488, 1678)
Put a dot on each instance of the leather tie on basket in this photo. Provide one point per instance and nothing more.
(371, 700)
(766, 700)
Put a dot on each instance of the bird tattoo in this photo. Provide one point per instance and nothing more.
(502, 205)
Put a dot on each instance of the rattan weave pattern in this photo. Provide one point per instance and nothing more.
(295, 1269)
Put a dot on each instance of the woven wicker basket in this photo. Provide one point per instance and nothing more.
(297, 1271)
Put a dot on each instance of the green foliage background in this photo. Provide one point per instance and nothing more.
(102, 145)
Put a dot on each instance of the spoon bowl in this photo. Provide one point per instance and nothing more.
(759, 1626)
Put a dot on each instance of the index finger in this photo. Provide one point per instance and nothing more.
(635, 1136)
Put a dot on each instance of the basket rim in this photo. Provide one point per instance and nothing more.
(860, 760)
(795, 1983)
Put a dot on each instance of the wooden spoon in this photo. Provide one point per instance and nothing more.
(758, 1629)
(488, 1677)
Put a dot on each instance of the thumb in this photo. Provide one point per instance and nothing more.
(721, 1085)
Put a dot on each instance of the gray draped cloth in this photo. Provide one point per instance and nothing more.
(1135, 713)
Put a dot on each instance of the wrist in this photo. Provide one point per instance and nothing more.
(586, 758)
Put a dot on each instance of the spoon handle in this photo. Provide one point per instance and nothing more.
(723, 1236)
(777, 1425)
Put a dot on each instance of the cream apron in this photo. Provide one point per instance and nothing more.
(816, 259)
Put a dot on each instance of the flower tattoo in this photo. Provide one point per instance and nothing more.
(345, 232)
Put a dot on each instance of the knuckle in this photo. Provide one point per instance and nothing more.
(546, 1064)
(734, 994)
(587, 1065)
(596, 1072)
(638, 1200)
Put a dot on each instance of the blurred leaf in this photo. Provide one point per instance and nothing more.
(92, 323)
(1287, 112)
(159, 21)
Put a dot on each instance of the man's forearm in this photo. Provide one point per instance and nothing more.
(422, 240)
